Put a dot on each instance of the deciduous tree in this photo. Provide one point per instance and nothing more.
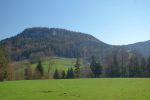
(3, 63)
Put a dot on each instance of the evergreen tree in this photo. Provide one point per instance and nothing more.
(131, 67)
(115, 67)
(77, 67)
(123, 57)
(137, 68)
(96, 68)
(70, 73)
(143, 68)
(56, 74)
(134, 69)
(3, 63)
(63, 75)
(39, 70)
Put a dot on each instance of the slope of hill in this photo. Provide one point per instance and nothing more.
(141, 47)
(56, 63)
(35, 43)
(38, 42)
(49, 66)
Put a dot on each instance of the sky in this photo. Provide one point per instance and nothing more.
(116, 22)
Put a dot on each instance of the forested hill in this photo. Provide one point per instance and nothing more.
(37, 42)
(142, 47)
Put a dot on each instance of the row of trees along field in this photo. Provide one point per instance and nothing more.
(118, 64)
(134, 67)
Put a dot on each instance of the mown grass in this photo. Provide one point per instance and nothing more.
(77, 89)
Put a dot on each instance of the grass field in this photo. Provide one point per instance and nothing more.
(77, 89)
(55, 63)
(59, 63)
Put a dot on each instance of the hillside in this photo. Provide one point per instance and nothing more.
(35, 43)
(141, 47)
(49, 64)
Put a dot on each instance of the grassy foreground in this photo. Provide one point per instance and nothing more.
(77, 89)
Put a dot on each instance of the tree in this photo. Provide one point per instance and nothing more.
(70, 73)
(134, 69)
(143, 67)
(56, 74)
(123, 58)
(3, 63)
(51, 62)
(148, 66)
(39, 71)
(115, 67)
(63, 74)
(77, 67)
(85, 70)
(28, 72)
(11, 72)
(96, 67)
(131, 67)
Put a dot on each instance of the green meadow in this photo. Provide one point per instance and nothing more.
(77, 89)
(56, 63)
(48, 64)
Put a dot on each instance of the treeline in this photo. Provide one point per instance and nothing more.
(123, 64)
(117, 64)
(134, 67)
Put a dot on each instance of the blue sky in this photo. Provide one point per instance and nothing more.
(112, 21)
